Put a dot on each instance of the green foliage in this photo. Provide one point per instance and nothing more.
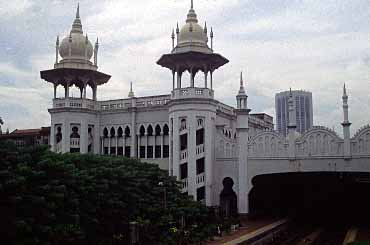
(48, 198)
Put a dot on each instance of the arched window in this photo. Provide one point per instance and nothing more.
(150, 130)
(200, 123)
(105, 133)
(157, 130)
(74, 133)
(127, 132)
(183, 124)
(119, 132)
(112, 132)
(165, 129)
(142, 130)
(59, 134)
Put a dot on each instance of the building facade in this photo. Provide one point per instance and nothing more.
(213, 149)
(303, 111)
(28, 137)
(177, 131)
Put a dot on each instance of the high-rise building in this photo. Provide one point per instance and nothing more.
(302, 109)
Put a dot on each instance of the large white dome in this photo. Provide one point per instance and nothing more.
(81, 47)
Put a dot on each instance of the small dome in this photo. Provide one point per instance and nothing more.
(81, 47)
(192, 32)
(79, 43)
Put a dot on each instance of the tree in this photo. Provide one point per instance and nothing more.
(1, 123)
(87, 199)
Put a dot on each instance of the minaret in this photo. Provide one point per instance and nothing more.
(75, 69)
(96, 48)
(242, 132)
(192, 54)
(292, 125)
(57, 50)
(131, 93)
(346, 125)
(241, 98)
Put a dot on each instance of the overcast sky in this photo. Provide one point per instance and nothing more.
(313, 45)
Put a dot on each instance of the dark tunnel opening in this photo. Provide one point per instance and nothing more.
(317, 196)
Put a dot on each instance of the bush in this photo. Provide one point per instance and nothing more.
(49, 198)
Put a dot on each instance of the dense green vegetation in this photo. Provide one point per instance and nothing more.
(48, 198)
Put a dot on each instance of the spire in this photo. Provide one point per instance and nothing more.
(77, 26)
(173, 38)
(344, 91)
(241, 79)
(131, 93)
(211, 35)
(78, 11)
(192, 16)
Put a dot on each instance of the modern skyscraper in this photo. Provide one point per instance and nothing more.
(302, 109)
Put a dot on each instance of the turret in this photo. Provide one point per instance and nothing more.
(346, 125)
(241, 98)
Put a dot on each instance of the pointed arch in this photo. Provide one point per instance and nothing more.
(112, 132)
(127, 131)
(158, 130)
(119, 132)
(150, 130)
(105, 133)
(142, 130)
(165, 129)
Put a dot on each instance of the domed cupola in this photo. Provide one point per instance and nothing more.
(76, 48)
(192, 54)
(192, 37)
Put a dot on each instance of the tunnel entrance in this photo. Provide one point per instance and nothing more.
(328, 196)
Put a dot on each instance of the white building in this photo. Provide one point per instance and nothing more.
(215, 150)
(303, 110)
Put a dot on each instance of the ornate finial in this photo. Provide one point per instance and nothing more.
(205, 27)
(191, 4)
(241, 79)
(87, 38)
(173, 34)
(77, 26)
(97, 42)
(78, 11)
(211, 34)
(344, 89)
(57, 42)
(177, 28)
(290, 92)
(131, 93)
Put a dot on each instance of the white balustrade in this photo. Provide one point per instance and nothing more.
(200, 149)
(183, 155)
(75, 142)
(184, 187)
(201, 179)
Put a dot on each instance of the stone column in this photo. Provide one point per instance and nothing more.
(66, 136)
(211, 78)
(138, 145)
(134, 146)
(242, 139)
(52, 137)
(162, 140)
(116, 146)
(209, 140)
(102, 145)
(192, 170)
(179, 79)
(146, 145)
(109, 144)
(55, 90)
(154, 146)
(206, 79)
(176, 146)
(83, 137)
(173, 79)
(123, 145)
